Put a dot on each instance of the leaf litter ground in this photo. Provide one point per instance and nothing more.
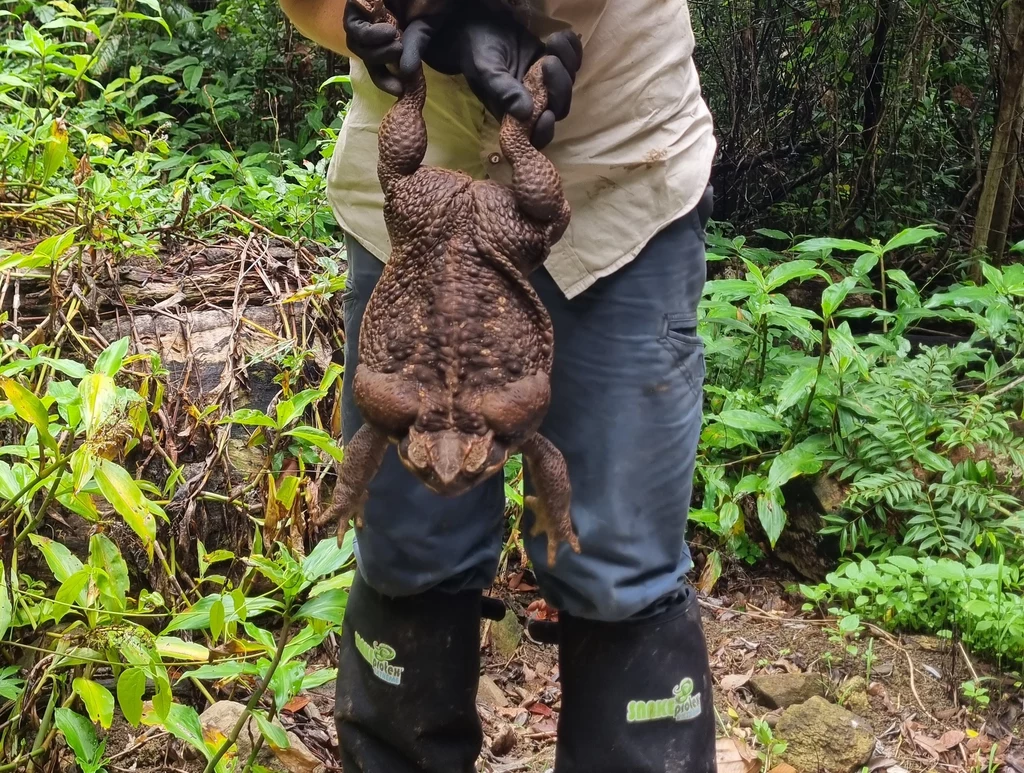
(919, 722)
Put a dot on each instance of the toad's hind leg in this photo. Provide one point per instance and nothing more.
(402, 138)
(363, 456)
(536, 184)
(550, 476)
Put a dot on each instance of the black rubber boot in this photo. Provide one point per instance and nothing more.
(636, 696)
(408, 670)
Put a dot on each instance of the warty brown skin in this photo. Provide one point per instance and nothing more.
(455, 347)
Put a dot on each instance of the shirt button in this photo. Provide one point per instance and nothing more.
(494, 158)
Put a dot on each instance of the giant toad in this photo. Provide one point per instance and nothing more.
(455, 347)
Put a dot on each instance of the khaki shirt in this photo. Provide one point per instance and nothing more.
(634, 153)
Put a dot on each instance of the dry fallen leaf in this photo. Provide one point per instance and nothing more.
(734, 681)
(950, 739)
(782, 767)
(733, 756)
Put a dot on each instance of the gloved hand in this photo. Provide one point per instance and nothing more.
(378, 44)
(492, 50)
(495, 54)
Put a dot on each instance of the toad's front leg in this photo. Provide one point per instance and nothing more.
(549, 474)
(363, 456)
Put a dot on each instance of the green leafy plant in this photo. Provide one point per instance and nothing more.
(975, 693)
(770, 746)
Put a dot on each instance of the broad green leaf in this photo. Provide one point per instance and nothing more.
(125, 496)
(249, 417)
(274, 734)
(163, 699)
(74, 590)
(217, 619)
(910, 236)
(319, 677)
(198, 617)
(131, 686)
(341, 581)
(98, 702)
(791, 464)
(78, 732)
(319, 439)
(11, 685)
(104, 554)
(99, 395)
(286, 682)
(60, 560)
(6, 610)
(326, 558)
(865, 264)
(790, 271)
(771, 233)
(728, 517)
(903, 563)
(827, 243)
(229, 669)
(749, 420)
(183, 723)
(328, 606)
(795, 388)
(29, 407)
(110, 359)
(834, 295)
(191, 76)
(771, 515)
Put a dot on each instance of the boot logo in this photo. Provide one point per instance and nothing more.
(684, 705)
(379, 656)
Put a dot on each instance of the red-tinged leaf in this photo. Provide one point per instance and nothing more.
(540, 709)
(296, 704)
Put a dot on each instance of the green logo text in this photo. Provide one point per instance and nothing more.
(685, 704)
(379, 656)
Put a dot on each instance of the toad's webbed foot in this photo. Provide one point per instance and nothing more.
(550, 476)
(363, 456)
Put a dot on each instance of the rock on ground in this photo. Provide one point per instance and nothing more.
(779, 691)
(490, 694)
(822, 736)
(853, 694)
(220, 719)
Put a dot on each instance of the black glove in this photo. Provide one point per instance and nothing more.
(378, 44)
(495, 54)
(492, 49)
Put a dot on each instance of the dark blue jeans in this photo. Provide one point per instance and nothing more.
(626, 394)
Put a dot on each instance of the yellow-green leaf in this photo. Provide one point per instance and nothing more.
(274, 734)
(83, 464)
(216, 619)
(28, 407)
(125, 496)
(6, 611)
(98, 702)
(55, 150)
(99, 394)
(173, 647)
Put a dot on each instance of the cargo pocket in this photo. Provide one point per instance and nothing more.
(679, 336)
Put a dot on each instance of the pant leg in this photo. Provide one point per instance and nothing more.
(627, 389)
(414, 540)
